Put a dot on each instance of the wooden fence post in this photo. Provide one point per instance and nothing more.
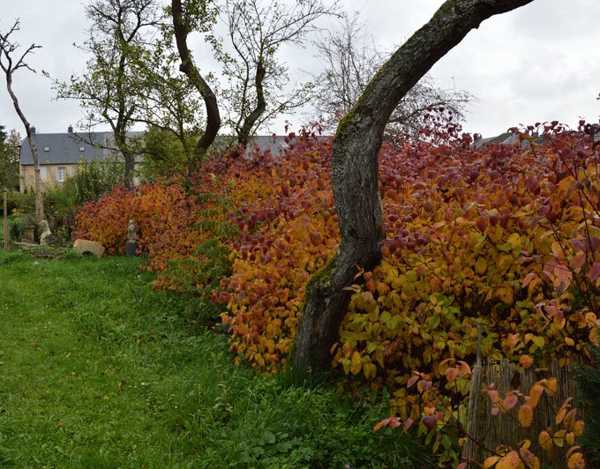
(5, 221)
(486, 432)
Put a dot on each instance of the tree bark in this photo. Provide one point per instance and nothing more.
(213, 117)
(355, 173)
(261, 106)
(129, 157)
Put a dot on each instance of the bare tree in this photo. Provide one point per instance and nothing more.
(355, 172)
(351, 60)
(109, 89)
(189, 16)
(11, 61)
(257, 79)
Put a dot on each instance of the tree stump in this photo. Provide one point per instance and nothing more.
(487, 432)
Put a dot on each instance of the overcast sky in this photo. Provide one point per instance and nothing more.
(540, 62)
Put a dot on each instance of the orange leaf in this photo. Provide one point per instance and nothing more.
(526, 361)
(526, 415)
(576, 461)
(510, 461)
(545, 441)
(412, 380)
(490, 462)
(579, 427)
(535, 393)
(552, 386)
(451, 374)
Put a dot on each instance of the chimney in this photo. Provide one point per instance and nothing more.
(70, 129)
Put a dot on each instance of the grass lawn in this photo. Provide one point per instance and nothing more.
(99, 371)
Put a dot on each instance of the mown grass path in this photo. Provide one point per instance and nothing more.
(99, 371)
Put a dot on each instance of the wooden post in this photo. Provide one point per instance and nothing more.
(5, 221)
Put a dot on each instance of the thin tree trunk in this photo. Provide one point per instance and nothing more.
(129, 171)
(128, 156)
(354, 173)
(39, 193)
(213, 117)
(40, 214)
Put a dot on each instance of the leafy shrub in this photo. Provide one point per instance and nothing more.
(481, 256)
(165, 216)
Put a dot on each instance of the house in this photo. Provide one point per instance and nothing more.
(60, 154)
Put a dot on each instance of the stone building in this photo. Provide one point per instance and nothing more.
(61, 153)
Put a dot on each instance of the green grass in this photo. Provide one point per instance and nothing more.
(99, 371)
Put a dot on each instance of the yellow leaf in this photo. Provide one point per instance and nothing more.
(514, 240)
(505, 294)
(539, 341)
(570, 342)
(356, 363)
(481, 266)
(525, 415)
(559, 438)
(369, 370)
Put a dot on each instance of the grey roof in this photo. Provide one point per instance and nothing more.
(72, 148)
(69, 148)
(510, 138)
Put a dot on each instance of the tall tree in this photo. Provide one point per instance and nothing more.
(351, 60)
(355, 166)
(11, 61)
(256, 76)
(109, 89)
(199, 16)
(168, 102)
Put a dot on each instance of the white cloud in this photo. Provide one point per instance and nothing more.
(536, 63)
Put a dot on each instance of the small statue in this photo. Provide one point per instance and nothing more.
(132, 231)
(132, 236)
(46, 233)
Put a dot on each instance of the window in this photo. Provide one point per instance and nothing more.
(60, 174)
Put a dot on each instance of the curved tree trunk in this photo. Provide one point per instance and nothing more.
(245, 131)
(213, 117)
(354, 173)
